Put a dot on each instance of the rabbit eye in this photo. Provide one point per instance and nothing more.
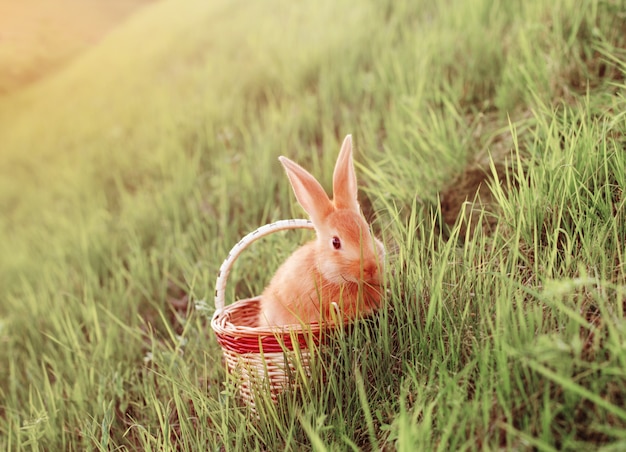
(336, 242)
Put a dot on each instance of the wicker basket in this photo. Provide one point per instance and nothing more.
(260, 358)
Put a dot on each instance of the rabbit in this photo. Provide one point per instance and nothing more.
(343, 266)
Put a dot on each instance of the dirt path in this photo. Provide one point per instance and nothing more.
(38, 36)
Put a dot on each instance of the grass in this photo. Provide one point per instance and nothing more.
(126, 178)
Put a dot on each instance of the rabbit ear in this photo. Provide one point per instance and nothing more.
(344, 179)
(308, 190)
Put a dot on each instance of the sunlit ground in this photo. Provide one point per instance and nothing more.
(37, 36)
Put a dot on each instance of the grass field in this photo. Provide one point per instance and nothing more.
(127, 176)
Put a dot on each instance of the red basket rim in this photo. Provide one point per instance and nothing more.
(273, 343)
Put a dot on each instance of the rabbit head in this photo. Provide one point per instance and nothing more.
(346, 250)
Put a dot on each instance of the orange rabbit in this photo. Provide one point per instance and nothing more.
(342, 266)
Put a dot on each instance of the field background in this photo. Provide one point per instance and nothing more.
(40, 36)
(491, 147)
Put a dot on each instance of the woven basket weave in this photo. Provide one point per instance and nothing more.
(261, 358)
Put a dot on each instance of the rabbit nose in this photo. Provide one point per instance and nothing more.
(369, 271)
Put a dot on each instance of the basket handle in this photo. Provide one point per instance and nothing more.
(227, 265)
